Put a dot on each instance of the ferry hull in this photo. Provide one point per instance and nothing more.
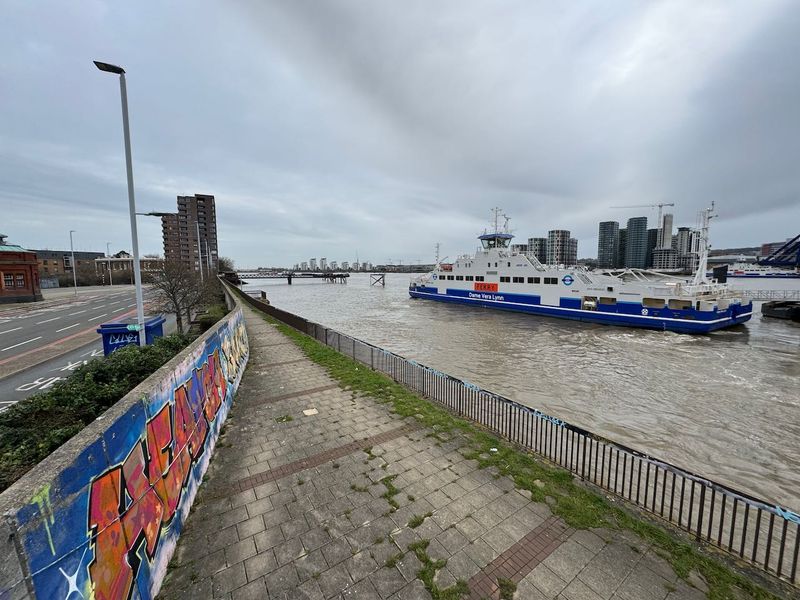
(735, 315)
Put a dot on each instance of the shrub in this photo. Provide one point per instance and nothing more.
(33, 428)
(213, 314)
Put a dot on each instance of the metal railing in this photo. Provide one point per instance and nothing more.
(760, 533)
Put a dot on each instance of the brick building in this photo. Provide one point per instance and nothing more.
(190, 235)
(59, 262)
(19, 274)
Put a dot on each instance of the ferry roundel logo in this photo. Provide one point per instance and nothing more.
(645, 311)
(567, 280)
(435, 277)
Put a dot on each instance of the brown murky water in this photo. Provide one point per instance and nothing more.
(725, 405)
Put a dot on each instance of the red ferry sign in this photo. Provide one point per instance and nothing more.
(485, 287)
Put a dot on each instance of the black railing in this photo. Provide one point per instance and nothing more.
(760, 533)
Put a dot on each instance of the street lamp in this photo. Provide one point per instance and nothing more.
(108, 254)
(72, 260)
(137, 275)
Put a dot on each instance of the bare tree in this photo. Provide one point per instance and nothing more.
(179, 289)
(225, 264)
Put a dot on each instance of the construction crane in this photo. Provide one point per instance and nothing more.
(660, 207)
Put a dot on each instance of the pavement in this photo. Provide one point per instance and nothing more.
(33, 333)
(317, 492)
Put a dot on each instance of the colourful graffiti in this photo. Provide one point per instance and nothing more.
(131, 503)
(106, 526)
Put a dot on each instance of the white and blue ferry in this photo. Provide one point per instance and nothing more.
(496, 277)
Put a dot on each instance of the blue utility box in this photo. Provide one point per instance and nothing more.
(125, 331)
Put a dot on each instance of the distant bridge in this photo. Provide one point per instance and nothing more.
(770, 294)
(292, 274)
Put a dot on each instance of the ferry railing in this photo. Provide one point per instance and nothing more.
(760, 533)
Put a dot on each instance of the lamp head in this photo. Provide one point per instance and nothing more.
(109, 68)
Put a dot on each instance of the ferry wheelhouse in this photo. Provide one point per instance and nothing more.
(496, 277)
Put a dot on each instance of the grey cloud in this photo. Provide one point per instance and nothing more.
(330, 127)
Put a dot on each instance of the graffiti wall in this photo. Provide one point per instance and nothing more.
(107, 525)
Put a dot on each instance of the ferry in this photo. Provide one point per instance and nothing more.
(497, 277)
(758, 271)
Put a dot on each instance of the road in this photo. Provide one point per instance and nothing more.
(20, 385)
(27, 328)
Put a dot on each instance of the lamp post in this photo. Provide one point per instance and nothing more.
(72, 263)
(137, 275)
(108, 254)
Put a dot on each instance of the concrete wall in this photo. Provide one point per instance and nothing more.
(100, 517)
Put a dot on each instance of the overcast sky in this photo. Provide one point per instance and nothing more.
(330, 128)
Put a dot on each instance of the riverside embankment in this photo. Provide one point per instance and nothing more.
(724, 404)
(333, 481)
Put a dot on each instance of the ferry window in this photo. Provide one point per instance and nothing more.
(653, 302)
(459, 278)
(610, 289)
(495, 264)
(505, 279)
(469, 277)
(551, 280)
(450, 278)
(478, 277)
(509, 264)
(537, 280)
(530, 279)
(519, 280)
(488, 264)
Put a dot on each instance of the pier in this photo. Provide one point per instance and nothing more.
(329, 276)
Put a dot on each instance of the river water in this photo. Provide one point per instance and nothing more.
(724, 405)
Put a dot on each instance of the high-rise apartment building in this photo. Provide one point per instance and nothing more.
(323, 264)
(537, 247)
(636, 243)
(608, 245)
(190, 235)
(652, 244)
(665, 232)
(623, 246)
(312, 264)
(561, 248)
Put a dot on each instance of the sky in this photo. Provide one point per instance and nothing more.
(377, 129)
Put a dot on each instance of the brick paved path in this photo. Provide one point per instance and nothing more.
(294, 506)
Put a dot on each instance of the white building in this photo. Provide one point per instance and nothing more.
(664, 239)
(312, 264)
(304, 266)
(334, 265)
(345, 265)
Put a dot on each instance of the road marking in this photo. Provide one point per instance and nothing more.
(10, 330)
(65, 328)
(120, 308)
(76, 313)
(48, 320)
(113, 303)
(130, 305)
(94, 318)
(22, 343)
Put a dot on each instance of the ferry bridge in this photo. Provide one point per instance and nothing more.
(787, 255)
